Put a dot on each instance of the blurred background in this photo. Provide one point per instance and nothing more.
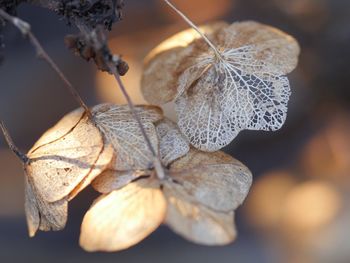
(298, 208)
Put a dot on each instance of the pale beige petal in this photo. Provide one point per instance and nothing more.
(102, 163)
(172, 144)
(123, 218)
(63, 126)
(111, 180)
(196, 222)
(41, 214)
(219, 98)
(57, 167)
(123, 132)
(215, 180)
(164, 63)
(260, 47)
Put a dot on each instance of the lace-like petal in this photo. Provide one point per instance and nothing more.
(172, 144)
(215, 180)
(123, 133)
(165, 62)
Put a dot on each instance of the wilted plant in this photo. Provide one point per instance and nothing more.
(223, 79)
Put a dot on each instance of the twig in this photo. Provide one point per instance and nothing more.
(23, 157)
(97, 40)
(156, 162)
(25, 29)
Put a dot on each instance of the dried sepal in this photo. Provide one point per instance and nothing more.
(59, 162)
(172, 144)
(243, 87)
(215, 180)
(123, 218)
(41, 214)
(201, 190)
(271, 49)
(111, 180)
(99, 167)
(159, 80)
(122, 131)
(196, 222)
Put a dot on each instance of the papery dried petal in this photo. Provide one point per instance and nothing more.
(111, 180)
(123, 218)
(122, 131)
(215, 180)
(259, 47)
(172, 144)
(41, 214)
(164, 63)
(196, 222)
(59, 164)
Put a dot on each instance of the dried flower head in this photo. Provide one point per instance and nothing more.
(76, 150)
(196, 197)
(231, 79)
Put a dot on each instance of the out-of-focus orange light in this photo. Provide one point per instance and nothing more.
(265, 202)
(209, 9)
(109, 91)
(328, 153)
(311, 205)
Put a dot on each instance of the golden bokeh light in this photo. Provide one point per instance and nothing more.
(209, 9)
(108, 90)
(265, 202)
(311, 205)
(327, 155)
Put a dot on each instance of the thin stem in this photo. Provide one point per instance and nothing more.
(188, 21)
(156, 162)
(23, 157)
(25, 29)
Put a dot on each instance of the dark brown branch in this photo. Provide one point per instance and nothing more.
(24, 27)
(23, 157)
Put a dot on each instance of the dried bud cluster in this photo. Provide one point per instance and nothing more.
(88, 15)
(91, 12)
(94, 46)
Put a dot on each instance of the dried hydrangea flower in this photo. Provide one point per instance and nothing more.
(72, 153)
(231, 81)
(196, 198)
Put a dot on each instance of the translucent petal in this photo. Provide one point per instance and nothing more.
(59, 164)
(165, 62)
(41, 214)
(196, 222)
(225, 100)
(172, 144)
(123, 218)
(111, 180)
(259, 47)
(215, 180)
(123, 132)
